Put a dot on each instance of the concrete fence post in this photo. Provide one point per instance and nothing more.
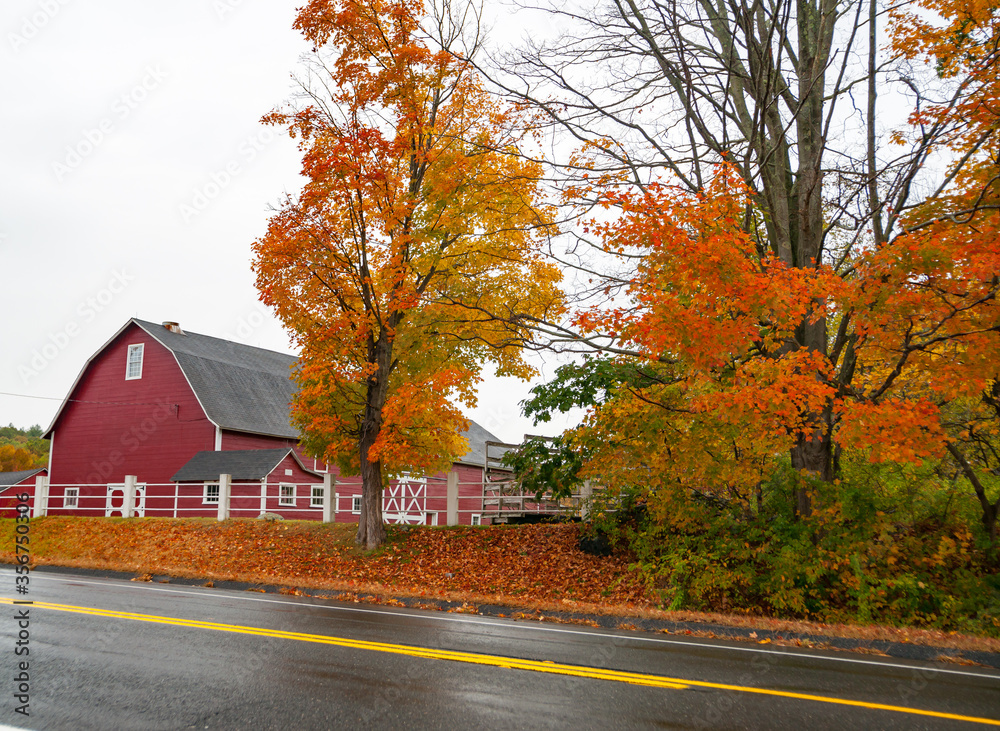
(225, 487)
(328, 498)
(586, 492)
(41, 496)
(452, 493)
(128, 509)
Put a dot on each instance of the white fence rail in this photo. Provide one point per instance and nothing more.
(414, 501)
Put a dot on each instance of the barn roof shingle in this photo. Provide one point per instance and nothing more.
(12, 478)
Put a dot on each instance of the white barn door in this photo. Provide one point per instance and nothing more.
(405, 501)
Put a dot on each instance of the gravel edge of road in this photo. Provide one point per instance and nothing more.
(883, 648)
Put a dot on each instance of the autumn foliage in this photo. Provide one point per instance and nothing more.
(411, 255)
(15, 459)
(720, 371)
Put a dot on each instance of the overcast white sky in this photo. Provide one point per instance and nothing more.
(135, 177)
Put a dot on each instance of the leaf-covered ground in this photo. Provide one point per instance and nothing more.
(538, 567)
(523, 565)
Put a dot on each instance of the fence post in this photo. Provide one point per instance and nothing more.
(128, 509)
(452, 498)
(41, 496)
(586, 492)
(225, 485)
(329, 496)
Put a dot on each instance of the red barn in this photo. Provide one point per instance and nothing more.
(158, 402)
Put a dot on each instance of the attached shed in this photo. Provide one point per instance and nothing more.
(263, 481)
(17, 483)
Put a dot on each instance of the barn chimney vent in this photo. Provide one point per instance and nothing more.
(173, 327)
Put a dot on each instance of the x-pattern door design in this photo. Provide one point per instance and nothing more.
(405, 501)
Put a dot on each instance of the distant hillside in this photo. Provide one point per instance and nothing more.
(22, 449)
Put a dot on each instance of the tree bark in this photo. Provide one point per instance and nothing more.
(371, 528)
(990, 510)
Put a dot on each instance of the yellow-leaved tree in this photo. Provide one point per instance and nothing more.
(412, 256)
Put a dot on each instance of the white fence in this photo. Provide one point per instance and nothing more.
(408, 500)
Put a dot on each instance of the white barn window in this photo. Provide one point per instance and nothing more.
(71, 497)
(316, 499)
(133, 370)
(356, 504)
(211, 494)
(286, 496)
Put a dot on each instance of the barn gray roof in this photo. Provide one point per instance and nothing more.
(478, 436)
(242, 464)
(240, 387)
(12, 478)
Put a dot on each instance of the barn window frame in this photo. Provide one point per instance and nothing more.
(316, 496)
(133, 363)
(356, 504)
(71, 498)
(286, 494)
(211, 494)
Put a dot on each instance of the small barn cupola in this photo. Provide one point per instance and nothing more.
(173, 327)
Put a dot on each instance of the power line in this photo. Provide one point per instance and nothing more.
(83, 401)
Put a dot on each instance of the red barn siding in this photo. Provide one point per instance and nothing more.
(151, 426)
(148, 427)
(234, 440)
(242, 440)
(470, 492)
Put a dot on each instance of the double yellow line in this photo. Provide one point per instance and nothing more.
(655, 681)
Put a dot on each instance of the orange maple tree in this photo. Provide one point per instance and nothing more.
(707, 322)
(411, 255)
(732, 353)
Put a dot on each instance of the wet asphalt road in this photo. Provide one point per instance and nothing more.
(107, 672)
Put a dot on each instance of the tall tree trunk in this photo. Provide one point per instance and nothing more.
(371, 529)
(813, 451)
(811, 455)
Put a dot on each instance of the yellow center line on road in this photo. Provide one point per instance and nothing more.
(656, 681)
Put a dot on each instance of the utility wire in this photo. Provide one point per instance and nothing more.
(82, 401)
